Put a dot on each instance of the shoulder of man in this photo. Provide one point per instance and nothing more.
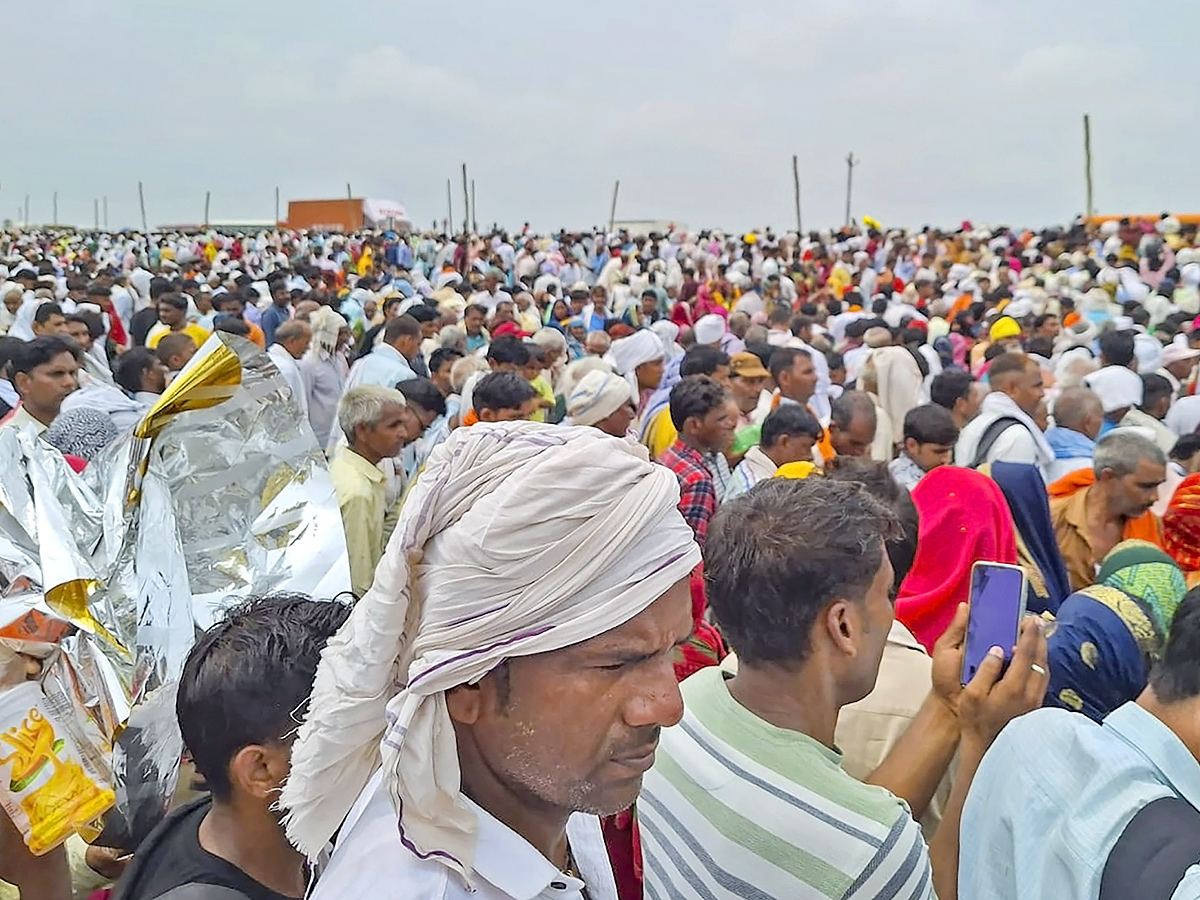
(1154, 852)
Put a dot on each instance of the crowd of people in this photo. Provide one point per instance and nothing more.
(661, 551)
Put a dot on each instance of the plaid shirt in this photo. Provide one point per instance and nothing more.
(697, 490)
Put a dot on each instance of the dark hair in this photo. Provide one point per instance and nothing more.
(508, 350)
(171, 344)
(1176, 677)
(178, 301)
(799, 323)
(702, 360)
(95, 325)
(1041, 320)
(789, 419)
(694, 397)
(1116, 348)
(880, 484)
(835, 360)
(778, 555)
(130, 367)
(422, 312)
(160, 286)
(501, 390)
(1040, 346)
(43, 313)
(40, 351)
(930, 424)
(228, 296)
(424, 393)
(851, 403)
(780, 315)
(783, 359)
(762, 350)
(441, 355)
(1186, 447)
(401, 326)
(475, 307)
(231, 324)
(9, 348)
(1154, 388)
(247, 679)
(950, 386)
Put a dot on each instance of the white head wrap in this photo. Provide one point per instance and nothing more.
(709, 329)
(325, 324)
(484, 565)
(1117, 387)
(597, 396)
(630, 352)
(668, 332)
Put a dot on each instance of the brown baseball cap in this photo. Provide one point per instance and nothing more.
(747, 365)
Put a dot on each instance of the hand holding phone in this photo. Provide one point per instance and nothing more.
(994, 619)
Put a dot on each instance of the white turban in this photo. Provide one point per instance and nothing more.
(709, 329)
(1117, 387)
(630, 352)
(597, 396)
(485, 564)
(667, 332)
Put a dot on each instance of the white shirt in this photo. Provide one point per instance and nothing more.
(286, 364)
(370, 863)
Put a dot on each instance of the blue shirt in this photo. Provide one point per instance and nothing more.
(272, 318)
(384, 366)
(1053, 795)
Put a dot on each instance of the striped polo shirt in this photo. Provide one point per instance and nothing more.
(735, 807)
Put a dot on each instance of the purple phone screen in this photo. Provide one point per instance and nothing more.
(997, 604)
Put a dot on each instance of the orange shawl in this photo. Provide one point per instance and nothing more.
(1144, 528)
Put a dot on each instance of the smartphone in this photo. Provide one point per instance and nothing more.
(997, 607)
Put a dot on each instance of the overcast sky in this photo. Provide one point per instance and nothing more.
(957, 108)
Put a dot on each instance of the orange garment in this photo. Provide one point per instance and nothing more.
(1070, 319)
(1146, 527)
(962, 304)
(470, 418)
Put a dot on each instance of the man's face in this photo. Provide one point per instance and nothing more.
(617, 423)
(723, 376)
(473, 322)
(649, 374)
(717, 429)
(791, 448)
(56, 324)
(599, 299)
(386, 437)
(298, 345)
(746, 392)
(489, 284)
(229, 308)
(800, 382)
(596, 345)
(78, 332)
(1137, 492)
(504, 313)
(429, 329)
(578, 302)
(12, 301)
(442, 378)
(281, 297)
(48, 385)
(408, 345)
(1050, 327)
(574, 730)
(169, 315)
(874, 614)
(154, 377)
(968, 406)
(856, 440)
(649, 304)
(929, 456)
(578, 332)
(1028, 389)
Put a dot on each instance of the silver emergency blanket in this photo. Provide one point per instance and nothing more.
(219, 494)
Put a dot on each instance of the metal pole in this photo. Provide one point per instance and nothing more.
(449, 209)
(612, 211)
(796, 183)
(56, 209)
(474, 209)
(1087, 161)
(25, 218)
(350, 210)
(96, 212)
(851, 162)
(142, 203)
(276, 206)
(207, 200)
(106, 212)
(466, 202)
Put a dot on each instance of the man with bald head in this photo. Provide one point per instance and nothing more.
(1078, 417)
(852, 424)
(292, 340)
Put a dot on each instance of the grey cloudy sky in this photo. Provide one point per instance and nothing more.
(957, 108)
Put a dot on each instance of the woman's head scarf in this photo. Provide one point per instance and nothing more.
(964, 519)
(1181, 525)
(1147, 574)
(1025, 492)
(485, 564)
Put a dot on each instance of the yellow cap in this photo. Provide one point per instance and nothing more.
(1004, 327)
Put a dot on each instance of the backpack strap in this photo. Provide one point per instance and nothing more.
(1154, 852)
(197, 891)
(990, 435)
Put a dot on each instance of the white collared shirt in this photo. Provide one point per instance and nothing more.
(370, 863)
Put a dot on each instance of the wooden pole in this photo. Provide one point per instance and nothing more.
(350, 226)
(466, 202)
(1087, 162)
(612, 211)
(851, 162)
(276, 206)
(207, 200)
(142, 203)
(796, 184)
(474, 210)
(105, 212)
(96, 212)
(25, 217)
(56, 209)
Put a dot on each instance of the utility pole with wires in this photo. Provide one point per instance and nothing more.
(96, 212)
(851, 162)
(466, 202)
(105, 208)
(474, 210)
(1087, 164)
(449, 209)
(796, 184)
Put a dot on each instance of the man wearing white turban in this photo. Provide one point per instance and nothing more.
(602, 400)
(640, 359)
(506, 677)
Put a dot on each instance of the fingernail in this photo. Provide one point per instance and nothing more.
(996, 652)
